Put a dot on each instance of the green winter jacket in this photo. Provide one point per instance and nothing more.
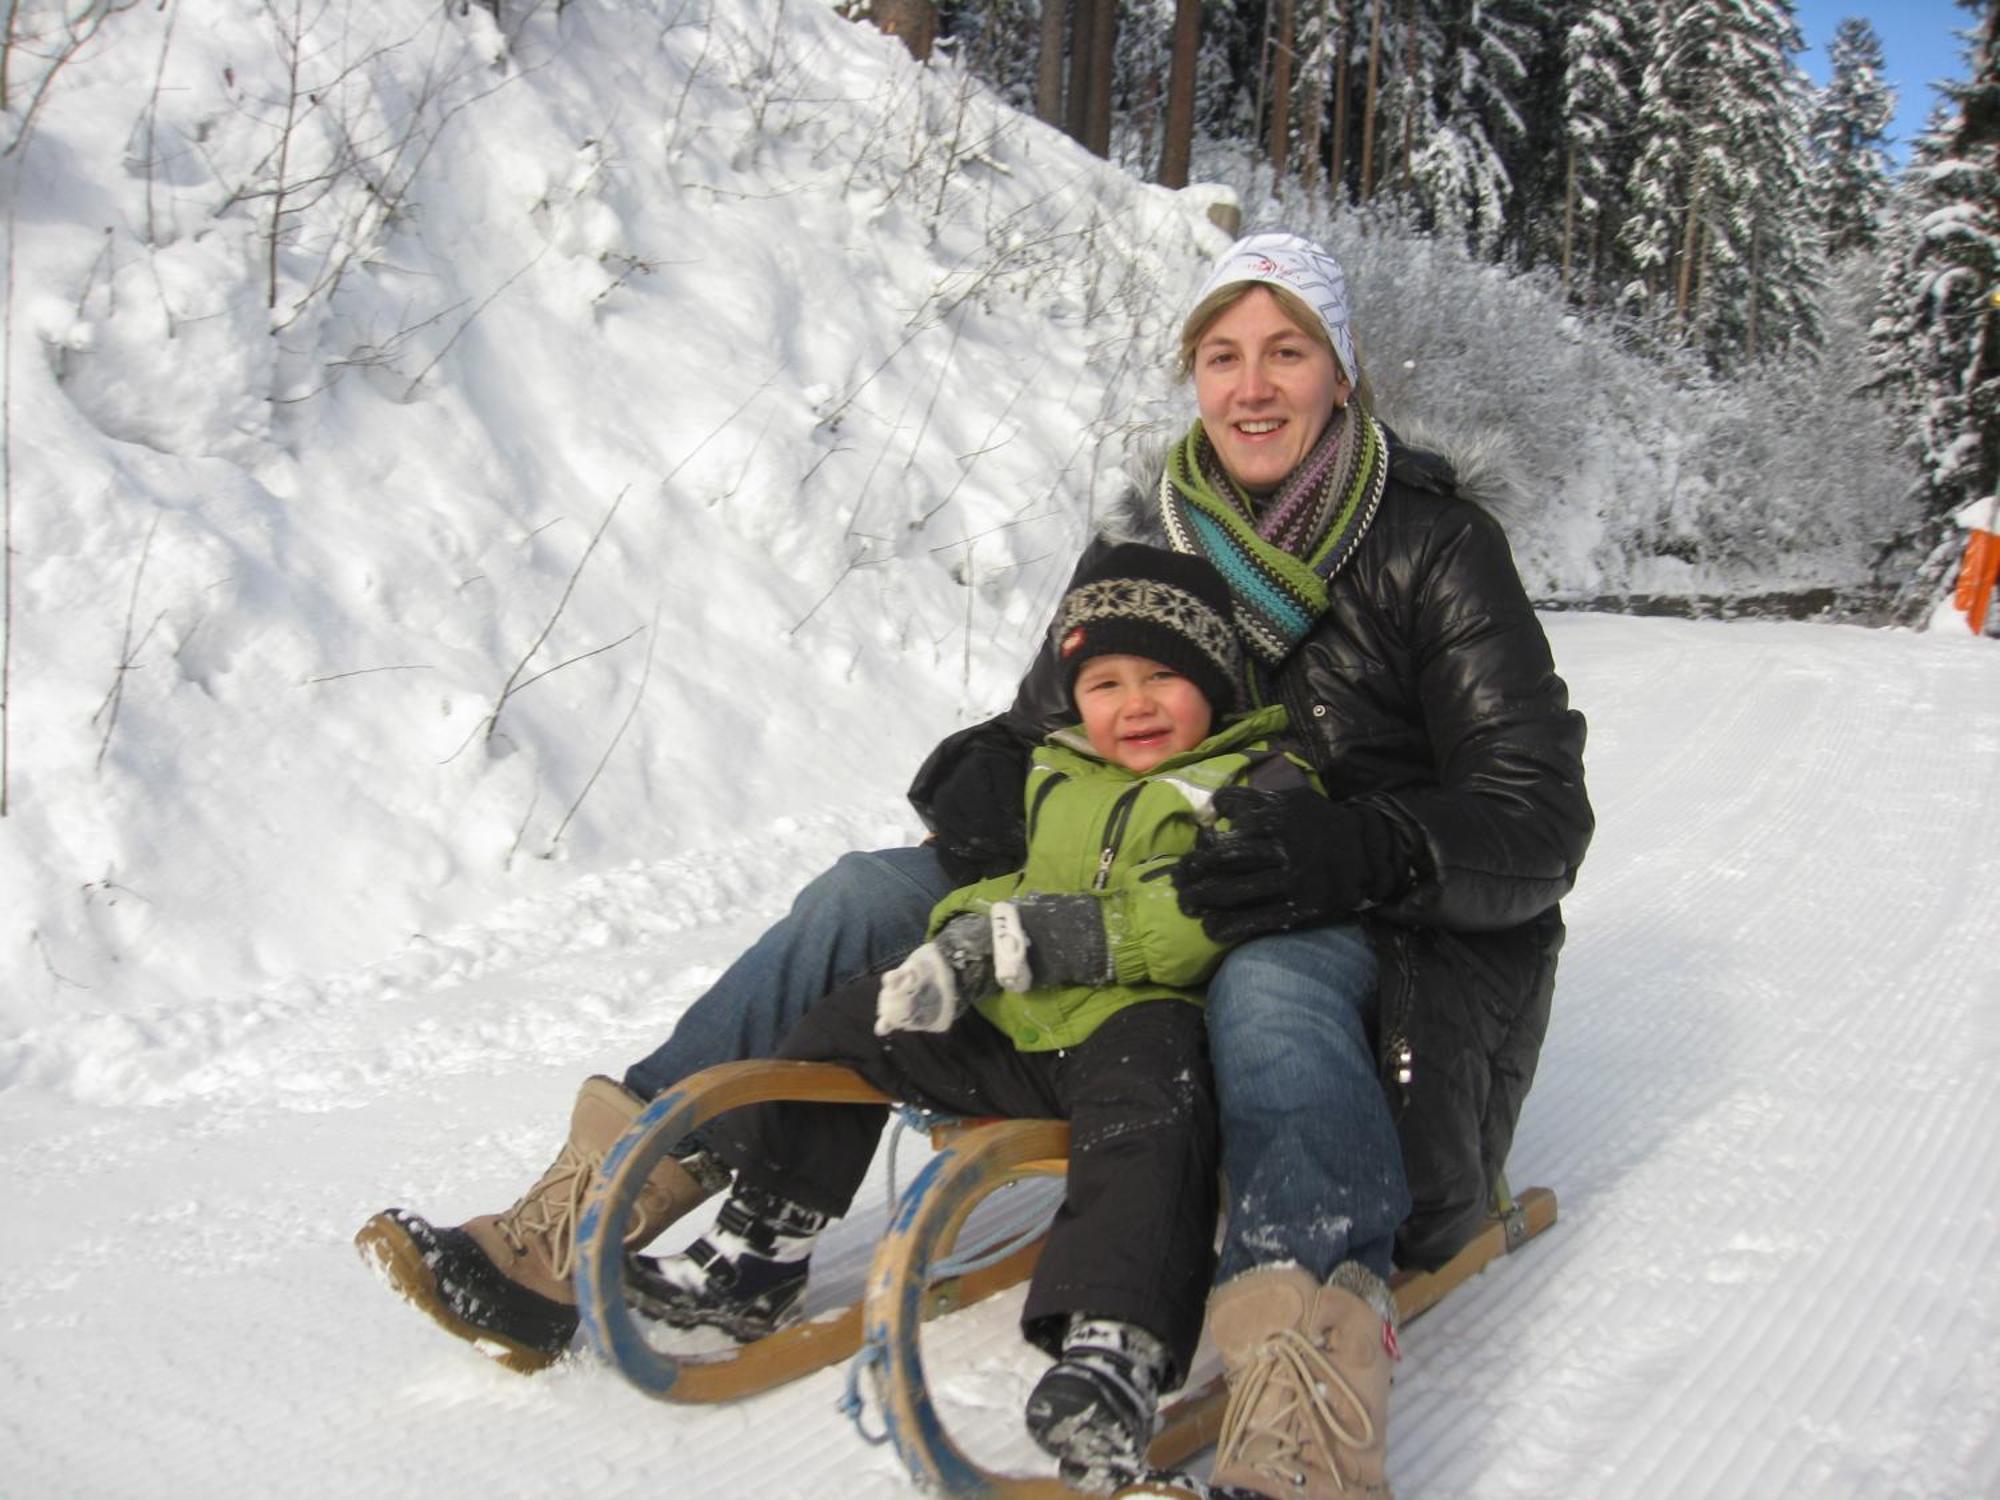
(1097, 828)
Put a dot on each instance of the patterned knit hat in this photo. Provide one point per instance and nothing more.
(1166, 606)
(1277, 257)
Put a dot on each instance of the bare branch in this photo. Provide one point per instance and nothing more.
(860, 559)
(631, 712)
(528, 682)
(365, 671)
(507, 688)
(78, 32)
(491, 297)
(128, 649)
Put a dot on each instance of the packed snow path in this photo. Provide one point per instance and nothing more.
(1769, 1104)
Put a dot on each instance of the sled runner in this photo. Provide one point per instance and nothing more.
(901, 1294)
(614, 1331)
(949, 1189)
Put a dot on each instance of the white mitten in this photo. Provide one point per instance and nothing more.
(919, 994)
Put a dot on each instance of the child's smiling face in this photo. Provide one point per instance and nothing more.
(1137, 712)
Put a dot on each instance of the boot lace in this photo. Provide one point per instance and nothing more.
(549, 1210)
(1302, 1380)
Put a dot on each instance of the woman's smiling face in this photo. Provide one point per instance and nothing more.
(1266, 389)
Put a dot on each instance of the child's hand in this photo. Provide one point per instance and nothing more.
(919, 994)
(931, 988)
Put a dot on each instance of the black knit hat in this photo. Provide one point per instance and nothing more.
(1169, 607)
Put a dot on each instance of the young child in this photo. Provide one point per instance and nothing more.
(1083, 980)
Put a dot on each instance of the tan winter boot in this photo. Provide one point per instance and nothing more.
(1308, 1368)
(503, 1280)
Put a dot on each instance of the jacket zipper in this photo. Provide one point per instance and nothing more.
(1055, 779)
(1114, 835)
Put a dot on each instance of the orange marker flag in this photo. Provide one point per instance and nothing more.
(1977, 575)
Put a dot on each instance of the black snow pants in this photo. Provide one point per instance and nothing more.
(1134, 1238)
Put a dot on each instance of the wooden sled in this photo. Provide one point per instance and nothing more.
(612, 1328)
(928, 1216)
(901, 1295)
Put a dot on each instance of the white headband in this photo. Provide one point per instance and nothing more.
(1278, 257)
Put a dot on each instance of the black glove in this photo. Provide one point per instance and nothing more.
(969, 796)
(931, 988)
(1042, 940)
(1288, 859)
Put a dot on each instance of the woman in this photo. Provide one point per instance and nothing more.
(1375, 1030)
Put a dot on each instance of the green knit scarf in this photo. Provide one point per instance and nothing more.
(1279, 556)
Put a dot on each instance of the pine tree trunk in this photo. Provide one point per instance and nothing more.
(1409, 94)
(1103, 59)
(1145, 116)
(1049, 63)
(1684, 290)
(1314, 105)
(1701, 277)
(1337, 173)
(914, 22)
(1263, 82)
(1569, 218)
(1279, 148)
(1176, 154)
(1076, 108)
(1756, 284)
(1374, 100)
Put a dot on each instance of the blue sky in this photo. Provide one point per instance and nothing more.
(1919, 46)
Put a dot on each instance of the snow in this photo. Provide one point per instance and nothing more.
(420, 688)
(1767, 1105)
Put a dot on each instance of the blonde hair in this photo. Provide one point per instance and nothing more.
(1294, 307)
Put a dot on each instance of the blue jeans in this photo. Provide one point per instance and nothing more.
(1314, 1167)
(863, 916)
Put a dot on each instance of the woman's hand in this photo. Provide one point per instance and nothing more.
(1288, 859)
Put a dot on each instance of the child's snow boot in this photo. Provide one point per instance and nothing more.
(1308, 1368)
(1093, 1408)
(503, 1280)
(746, 1276)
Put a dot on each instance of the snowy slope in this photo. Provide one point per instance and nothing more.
(411, 455)
(1768, 1103)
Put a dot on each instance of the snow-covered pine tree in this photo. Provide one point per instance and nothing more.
(1596, 109)
(998, 41)
(1412, 52)
(1139, 83)
(1723, 241)
(1228, 77)
(1849, 134)
(1476, 54)
(1316, 38)
(1939, 337)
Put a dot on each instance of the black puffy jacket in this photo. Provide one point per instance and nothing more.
(1426, 690)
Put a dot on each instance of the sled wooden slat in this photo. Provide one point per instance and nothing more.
(935, 1205)
(610, 1325)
